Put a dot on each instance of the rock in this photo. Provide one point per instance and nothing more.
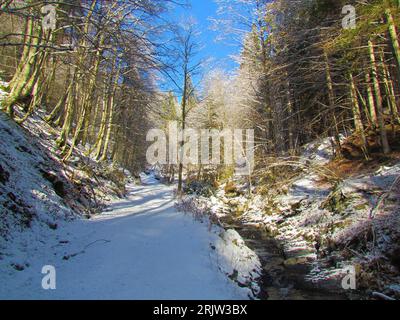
(336, 201)
(18, 267)
(59, 188)
(12, 196)
(52, 226)
(394, 257)
(4, 175)
(231, 190)
(271, 230)
(393, 290)
(58, 185)
(296, 261)
(23, 149)
(234, 275)
(49, 176)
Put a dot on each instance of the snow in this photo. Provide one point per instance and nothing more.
(26, 195)
(237, 260)
(231, 253)
(2, 93)
(382, 179)
(319, 151)
(140, 248)
(314, 219)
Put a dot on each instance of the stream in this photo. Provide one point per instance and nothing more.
(279, 281)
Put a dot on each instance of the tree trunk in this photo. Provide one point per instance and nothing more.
(331, 97)
(371, 103)
(24, 58)
(69, 111)
(359, 127)
(393, 37)
(378, 98)
(23, 81)
(86, 100)
(110, 119)
(184, 102)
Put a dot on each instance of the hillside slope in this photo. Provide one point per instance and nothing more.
(38, 191)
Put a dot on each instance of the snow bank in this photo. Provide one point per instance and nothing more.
(27, 192)
(231, 254)
(237, 261)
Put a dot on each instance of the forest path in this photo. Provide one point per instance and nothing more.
(141, 248)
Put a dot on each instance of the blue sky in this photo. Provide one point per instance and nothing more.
(201, 10)
(217, 54)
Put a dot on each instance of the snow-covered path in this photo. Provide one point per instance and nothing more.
(142, 248)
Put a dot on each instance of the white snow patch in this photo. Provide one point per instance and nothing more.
(319, 151)
(238, 261)
(2, 92)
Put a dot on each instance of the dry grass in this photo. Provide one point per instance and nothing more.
(345, 168)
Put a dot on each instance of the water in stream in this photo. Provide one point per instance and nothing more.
(278, 281)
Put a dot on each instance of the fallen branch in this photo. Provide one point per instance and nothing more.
(94, 242)
(382, 296)
(383, 197)
(67, 257)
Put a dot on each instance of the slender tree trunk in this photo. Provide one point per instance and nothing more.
(69, 112)
(86, 100)
(290, 117)
(76, 79)
(331, 97)
(25, 53)
(108, 132)
(110, 118)
(23, 82)
(393, 37)
(60, 104)
(371, 103)
(389, 90)
(357, 114)
(91, 130)
(99, 142)
(378, 99)
(39, 84)
(184, 103)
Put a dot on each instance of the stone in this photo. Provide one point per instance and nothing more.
(4, 175)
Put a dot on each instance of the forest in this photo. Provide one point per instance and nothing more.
(318, 82)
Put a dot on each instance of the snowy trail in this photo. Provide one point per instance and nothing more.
(142, 248)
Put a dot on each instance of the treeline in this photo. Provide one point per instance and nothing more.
(93, 74)
(307, 72)
(302, 74)
(326, 77)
